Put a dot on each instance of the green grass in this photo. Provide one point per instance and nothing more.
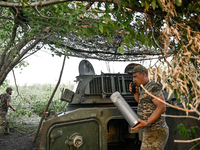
(31, 102)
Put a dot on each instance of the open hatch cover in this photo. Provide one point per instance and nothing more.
(86, 68)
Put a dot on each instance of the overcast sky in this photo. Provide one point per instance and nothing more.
(43, 68)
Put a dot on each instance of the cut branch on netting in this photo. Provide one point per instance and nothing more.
(162, 101)
(187, 141)
(184, 116)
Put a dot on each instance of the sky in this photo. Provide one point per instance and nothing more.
(45, 69)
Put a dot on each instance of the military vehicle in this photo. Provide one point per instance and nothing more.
(92, 122)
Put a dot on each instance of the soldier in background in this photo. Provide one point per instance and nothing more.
(5, 100)
(153, 125)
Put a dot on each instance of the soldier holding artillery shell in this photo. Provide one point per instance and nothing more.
(153, 125)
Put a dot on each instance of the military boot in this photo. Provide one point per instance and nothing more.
(6, 132)
(1, 130)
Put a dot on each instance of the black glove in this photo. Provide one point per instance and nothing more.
(133, 87)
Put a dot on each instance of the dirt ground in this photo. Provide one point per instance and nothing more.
(19, 141)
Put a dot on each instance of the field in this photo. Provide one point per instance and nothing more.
(30, 103)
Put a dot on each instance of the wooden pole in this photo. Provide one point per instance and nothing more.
(50, 99)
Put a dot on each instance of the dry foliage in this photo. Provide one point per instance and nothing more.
(168, 6)
(183, 70)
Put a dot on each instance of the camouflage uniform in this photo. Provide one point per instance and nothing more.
(156, 134)
(3, 110)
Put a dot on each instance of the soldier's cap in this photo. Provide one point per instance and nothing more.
(9, 89)
(140, 68)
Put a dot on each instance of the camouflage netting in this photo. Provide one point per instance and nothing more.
(101, 49)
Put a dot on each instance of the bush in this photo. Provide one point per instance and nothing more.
(32, 101)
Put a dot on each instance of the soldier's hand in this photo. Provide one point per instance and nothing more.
(130, 86)
(142, 123)
(136, 89)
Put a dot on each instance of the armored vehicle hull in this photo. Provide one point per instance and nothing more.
(92, 122)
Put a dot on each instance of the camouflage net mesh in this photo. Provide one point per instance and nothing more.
(101, 49)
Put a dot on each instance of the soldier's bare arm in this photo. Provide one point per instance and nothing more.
(9, 105)
(160, 109)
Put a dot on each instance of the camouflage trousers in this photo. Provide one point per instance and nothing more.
(155, 140)
(4, 121)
